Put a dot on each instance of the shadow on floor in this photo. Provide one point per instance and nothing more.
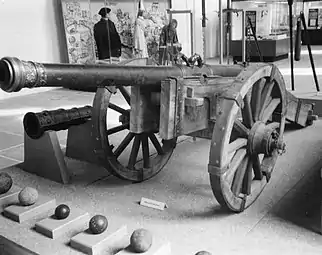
(302, 205)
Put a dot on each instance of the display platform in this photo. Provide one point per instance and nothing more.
(271, 50)
(193, 220)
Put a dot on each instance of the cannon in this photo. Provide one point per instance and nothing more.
(241, 109)
(35, 124)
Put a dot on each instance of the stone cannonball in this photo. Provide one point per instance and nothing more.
(28, 196)
(141, 240)
(98, 224)
(5, 183)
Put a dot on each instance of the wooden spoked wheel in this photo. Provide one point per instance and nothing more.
(248, 136)
(127, 155)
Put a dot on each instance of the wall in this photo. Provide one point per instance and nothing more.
(184, 29)
(31, 29)
(212, 27)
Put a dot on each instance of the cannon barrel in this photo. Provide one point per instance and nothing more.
(16, 74)
(35, 124)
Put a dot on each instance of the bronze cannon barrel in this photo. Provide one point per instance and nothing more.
(35, 124)
(16, 74)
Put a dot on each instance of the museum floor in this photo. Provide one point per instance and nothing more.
(284, 220)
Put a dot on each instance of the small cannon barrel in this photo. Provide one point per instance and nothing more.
(35, 124)
(16, 74)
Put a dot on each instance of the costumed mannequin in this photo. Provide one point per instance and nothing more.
(140, 45)
(107, 39)
(169, 45)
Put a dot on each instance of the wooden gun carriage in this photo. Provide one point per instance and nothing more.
(242, 110)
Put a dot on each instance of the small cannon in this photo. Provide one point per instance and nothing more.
(35, 124)
(242, 110)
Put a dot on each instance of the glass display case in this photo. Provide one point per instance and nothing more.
(270, 20)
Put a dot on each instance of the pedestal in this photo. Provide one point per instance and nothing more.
(84, 150)
(45, 158)
(22, 213)
(76, 222)
(158, 248)
(9, 198)
(95, 244)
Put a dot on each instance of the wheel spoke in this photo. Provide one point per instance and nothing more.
(234, 164)
(257, 167)
(237, 144)
(248, 179)
(123, 144)
(134, 152)
(239, 177)
(145, 151)
(156, 144)
(117, 129)
(125, 94)
(118, 109)
(241, 129)
(266, 96)
(268, 112)
(247, 113)
(256, 98)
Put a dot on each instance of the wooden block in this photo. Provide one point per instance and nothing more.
(85, 150)
(21, 213)
(158, 248)
(8, 247)
(45, 158)
(76, 222)
(11, 197)
(95, 244)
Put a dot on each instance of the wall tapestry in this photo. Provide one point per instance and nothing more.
(81, 15)
(79, 31)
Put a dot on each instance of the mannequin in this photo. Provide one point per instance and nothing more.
(107, 39)
(140, 44)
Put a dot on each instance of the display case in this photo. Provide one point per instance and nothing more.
(270, 20)
(313, 16)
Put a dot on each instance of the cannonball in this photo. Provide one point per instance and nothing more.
(62, 212)
(203, 253)
(141, 240)
(5, 183)
(98, 224)
(28, 196)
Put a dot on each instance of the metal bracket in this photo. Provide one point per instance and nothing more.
(233, 95)
(179, 105)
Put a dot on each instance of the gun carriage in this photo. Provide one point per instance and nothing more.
(242, 110)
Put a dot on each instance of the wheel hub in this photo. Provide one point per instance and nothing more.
(264, 139)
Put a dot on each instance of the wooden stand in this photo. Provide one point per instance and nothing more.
(95, 244)
(299, 112)
(8, 247)
(9, 198)
(53, 228)
(158, 248)
(44, 156)
(20, 213)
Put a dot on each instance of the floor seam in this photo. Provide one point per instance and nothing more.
(12, 147)
(10, 133)
(2, 156)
